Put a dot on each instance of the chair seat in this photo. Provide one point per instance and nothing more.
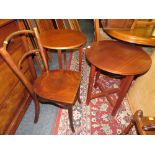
(58, 85)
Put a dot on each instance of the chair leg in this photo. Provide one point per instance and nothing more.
(37, 109)
(70, 115)
(97, 77)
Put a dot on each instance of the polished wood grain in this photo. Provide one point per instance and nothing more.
(60, 86)
(143, 35)
(62, 39)
(116, 58)
(57, 86)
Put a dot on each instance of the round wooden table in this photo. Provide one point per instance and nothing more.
(63, 39)
(116, 58)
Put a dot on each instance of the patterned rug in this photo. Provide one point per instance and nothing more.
(96, 118)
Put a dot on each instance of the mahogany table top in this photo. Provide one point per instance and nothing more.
(118, 58)
(62, 39)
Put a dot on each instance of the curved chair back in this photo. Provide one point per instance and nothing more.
(16, 68)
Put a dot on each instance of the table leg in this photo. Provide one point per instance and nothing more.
(97, 77)
(80, 58)
(90, 85)
(60, 59)
(125, 84)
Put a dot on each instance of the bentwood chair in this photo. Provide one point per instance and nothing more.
(144, 125)
(56, 86)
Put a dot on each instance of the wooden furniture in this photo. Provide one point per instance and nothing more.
(71, 24)
(117, 23)
(14, 98)
(74, 25)
(63, 39)
(58, 85)
(142, 22)
(144, 125)
(42, 26)
(141, 34)
(119, 59)
(142, 92)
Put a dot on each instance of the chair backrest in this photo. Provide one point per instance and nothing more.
(98, 32)
(44, 24)
(72, 24)
(16, 68)
(59, 23)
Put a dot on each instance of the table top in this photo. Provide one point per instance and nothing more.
(62, 39)
(118, 58)
(142, 34)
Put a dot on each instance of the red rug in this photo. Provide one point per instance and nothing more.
(96, 118)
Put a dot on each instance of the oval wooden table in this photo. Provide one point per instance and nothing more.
(63, 39)
(118, 59)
